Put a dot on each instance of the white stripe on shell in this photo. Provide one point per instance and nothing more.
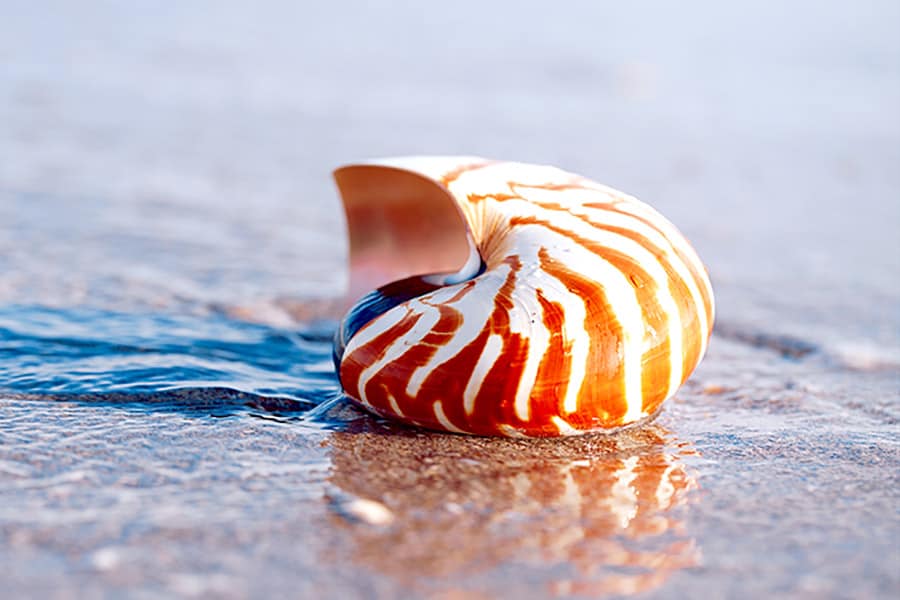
(678, 241)
(401, 344)
(476, 307)
(394, 406)
(564, 427)
(610, 217)
(623, 302)
(489, 355)
(642, 257)
(572, 328)
(374, 328)
(443, 420)
(663, 233)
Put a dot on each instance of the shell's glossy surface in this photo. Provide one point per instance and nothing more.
(587, 311)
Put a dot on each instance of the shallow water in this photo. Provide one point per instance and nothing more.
(169, 240)
(87, 351)
(197, 489)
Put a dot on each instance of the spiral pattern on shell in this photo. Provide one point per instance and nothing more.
(577, 308)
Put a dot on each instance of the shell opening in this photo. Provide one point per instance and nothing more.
(402, 224)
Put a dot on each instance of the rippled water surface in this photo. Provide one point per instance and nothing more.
(171, 251)
(85, 351)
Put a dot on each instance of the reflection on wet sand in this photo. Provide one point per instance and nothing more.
(598, 515)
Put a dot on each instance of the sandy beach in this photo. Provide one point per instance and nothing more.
(171, 247)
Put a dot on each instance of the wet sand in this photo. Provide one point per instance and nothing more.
(174, 162)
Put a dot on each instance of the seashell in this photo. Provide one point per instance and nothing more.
(513, 299)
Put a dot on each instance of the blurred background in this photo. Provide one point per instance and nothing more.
(159, 154)
(165, 167)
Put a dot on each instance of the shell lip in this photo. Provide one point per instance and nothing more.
(402, 223)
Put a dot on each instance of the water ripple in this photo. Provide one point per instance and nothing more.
(49, 351)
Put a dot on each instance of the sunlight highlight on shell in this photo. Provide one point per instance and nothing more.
(582, 310)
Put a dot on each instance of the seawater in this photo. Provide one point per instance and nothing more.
(83, 352)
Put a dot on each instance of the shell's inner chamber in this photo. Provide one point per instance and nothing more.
(559, 307)
(400, 224)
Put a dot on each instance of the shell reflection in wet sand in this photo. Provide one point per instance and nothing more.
(589, 516)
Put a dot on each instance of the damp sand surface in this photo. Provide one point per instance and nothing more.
(170, 245)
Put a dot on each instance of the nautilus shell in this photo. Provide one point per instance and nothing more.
(513, 299)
